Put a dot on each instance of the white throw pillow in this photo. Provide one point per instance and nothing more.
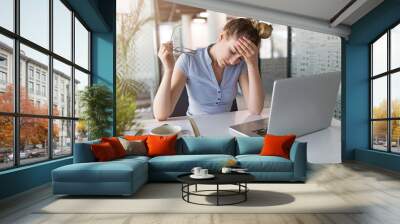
(134, 147)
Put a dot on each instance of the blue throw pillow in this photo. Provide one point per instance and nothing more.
(206, 145)
(249, 145)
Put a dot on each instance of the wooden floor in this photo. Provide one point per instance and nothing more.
(378, 188)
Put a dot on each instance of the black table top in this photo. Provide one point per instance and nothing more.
(220, 178)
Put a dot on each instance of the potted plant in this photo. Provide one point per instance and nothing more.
(96, 103)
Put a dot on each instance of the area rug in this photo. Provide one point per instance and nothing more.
(167, 198)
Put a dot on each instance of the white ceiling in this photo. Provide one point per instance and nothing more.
(314, 15)
(321, 9)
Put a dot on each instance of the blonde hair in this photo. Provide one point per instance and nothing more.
(252, 29)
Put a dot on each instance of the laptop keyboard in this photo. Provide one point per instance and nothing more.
(261, 131)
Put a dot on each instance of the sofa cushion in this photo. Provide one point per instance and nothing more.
(161, 145)
(83, 152)
(249, 145)
(257, 163)
(103, 152)
(116, 145)
(111, 171)
(277, 145)
(134, 147)
(189, 145)
(185, 163)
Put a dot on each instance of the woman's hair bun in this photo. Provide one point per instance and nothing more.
(264, 29)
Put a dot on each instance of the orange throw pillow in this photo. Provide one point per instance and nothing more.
(103, 151)
(275, 145)
(116, 145)
(161, 145)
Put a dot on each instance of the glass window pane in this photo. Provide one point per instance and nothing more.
(7, 14)
(81, 45)
(62, 29)
(33, 140)
(273, 62)
(62, 89)
(6, 142)
(6, 74)
(379, 135)
(379, 56)
(395, 135)
(395, 94)
(314, 53)
(62, 138)
(81, 81)
(395, 47)
(81, 131)
(35, 21)
(34, 72)
(379, 97)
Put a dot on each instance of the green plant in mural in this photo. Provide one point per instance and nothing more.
(126, 108)
(126, 86)
(96, 103)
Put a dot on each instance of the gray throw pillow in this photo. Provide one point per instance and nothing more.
(135, 147)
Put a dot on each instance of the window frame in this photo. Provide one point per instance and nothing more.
(16, 114)
(388, 74)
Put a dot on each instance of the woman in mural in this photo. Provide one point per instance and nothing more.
(211, 74)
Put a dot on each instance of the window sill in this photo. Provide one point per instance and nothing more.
(26, 167)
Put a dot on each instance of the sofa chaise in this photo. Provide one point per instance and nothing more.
(125, 176)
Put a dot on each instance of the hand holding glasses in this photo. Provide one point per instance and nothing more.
(183, 50)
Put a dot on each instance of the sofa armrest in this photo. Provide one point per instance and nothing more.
(83, 152)
(298, 155)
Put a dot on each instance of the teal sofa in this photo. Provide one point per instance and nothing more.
(125, 176)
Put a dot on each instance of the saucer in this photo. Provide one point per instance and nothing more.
(208, 176)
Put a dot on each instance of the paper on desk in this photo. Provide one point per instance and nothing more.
(185, 124)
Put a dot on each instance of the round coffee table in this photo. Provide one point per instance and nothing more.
(238, 179)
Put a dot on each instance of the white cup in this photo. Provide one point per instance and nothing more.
(226, 170)
(203, 172)
(196, 170)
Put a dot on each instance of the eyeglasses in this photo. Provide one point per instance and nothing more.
(183, 50)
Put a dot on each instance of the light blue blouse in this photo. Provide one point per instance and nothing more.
(205, 95)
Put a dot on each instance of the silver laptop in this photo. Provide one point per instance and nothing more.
(299, 106)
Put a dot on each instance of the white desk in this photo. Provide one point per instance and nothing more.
(323, 146)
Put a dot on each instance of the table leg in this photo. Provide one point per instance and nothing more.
(196, 188)
(245, 193)
(217, 194)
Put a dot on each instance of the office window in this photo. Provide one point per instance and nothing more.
(81, 81)
(35, 21)
(81, 45)
(314, 53)
(384, 91)
(395, 47)
(62, 137)
(7, 14)
(61, 72)
(6, 142)
(40, 61)
(273, 60)
(6, 73)
(34, 145)
(45, 131)
(62, 29)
